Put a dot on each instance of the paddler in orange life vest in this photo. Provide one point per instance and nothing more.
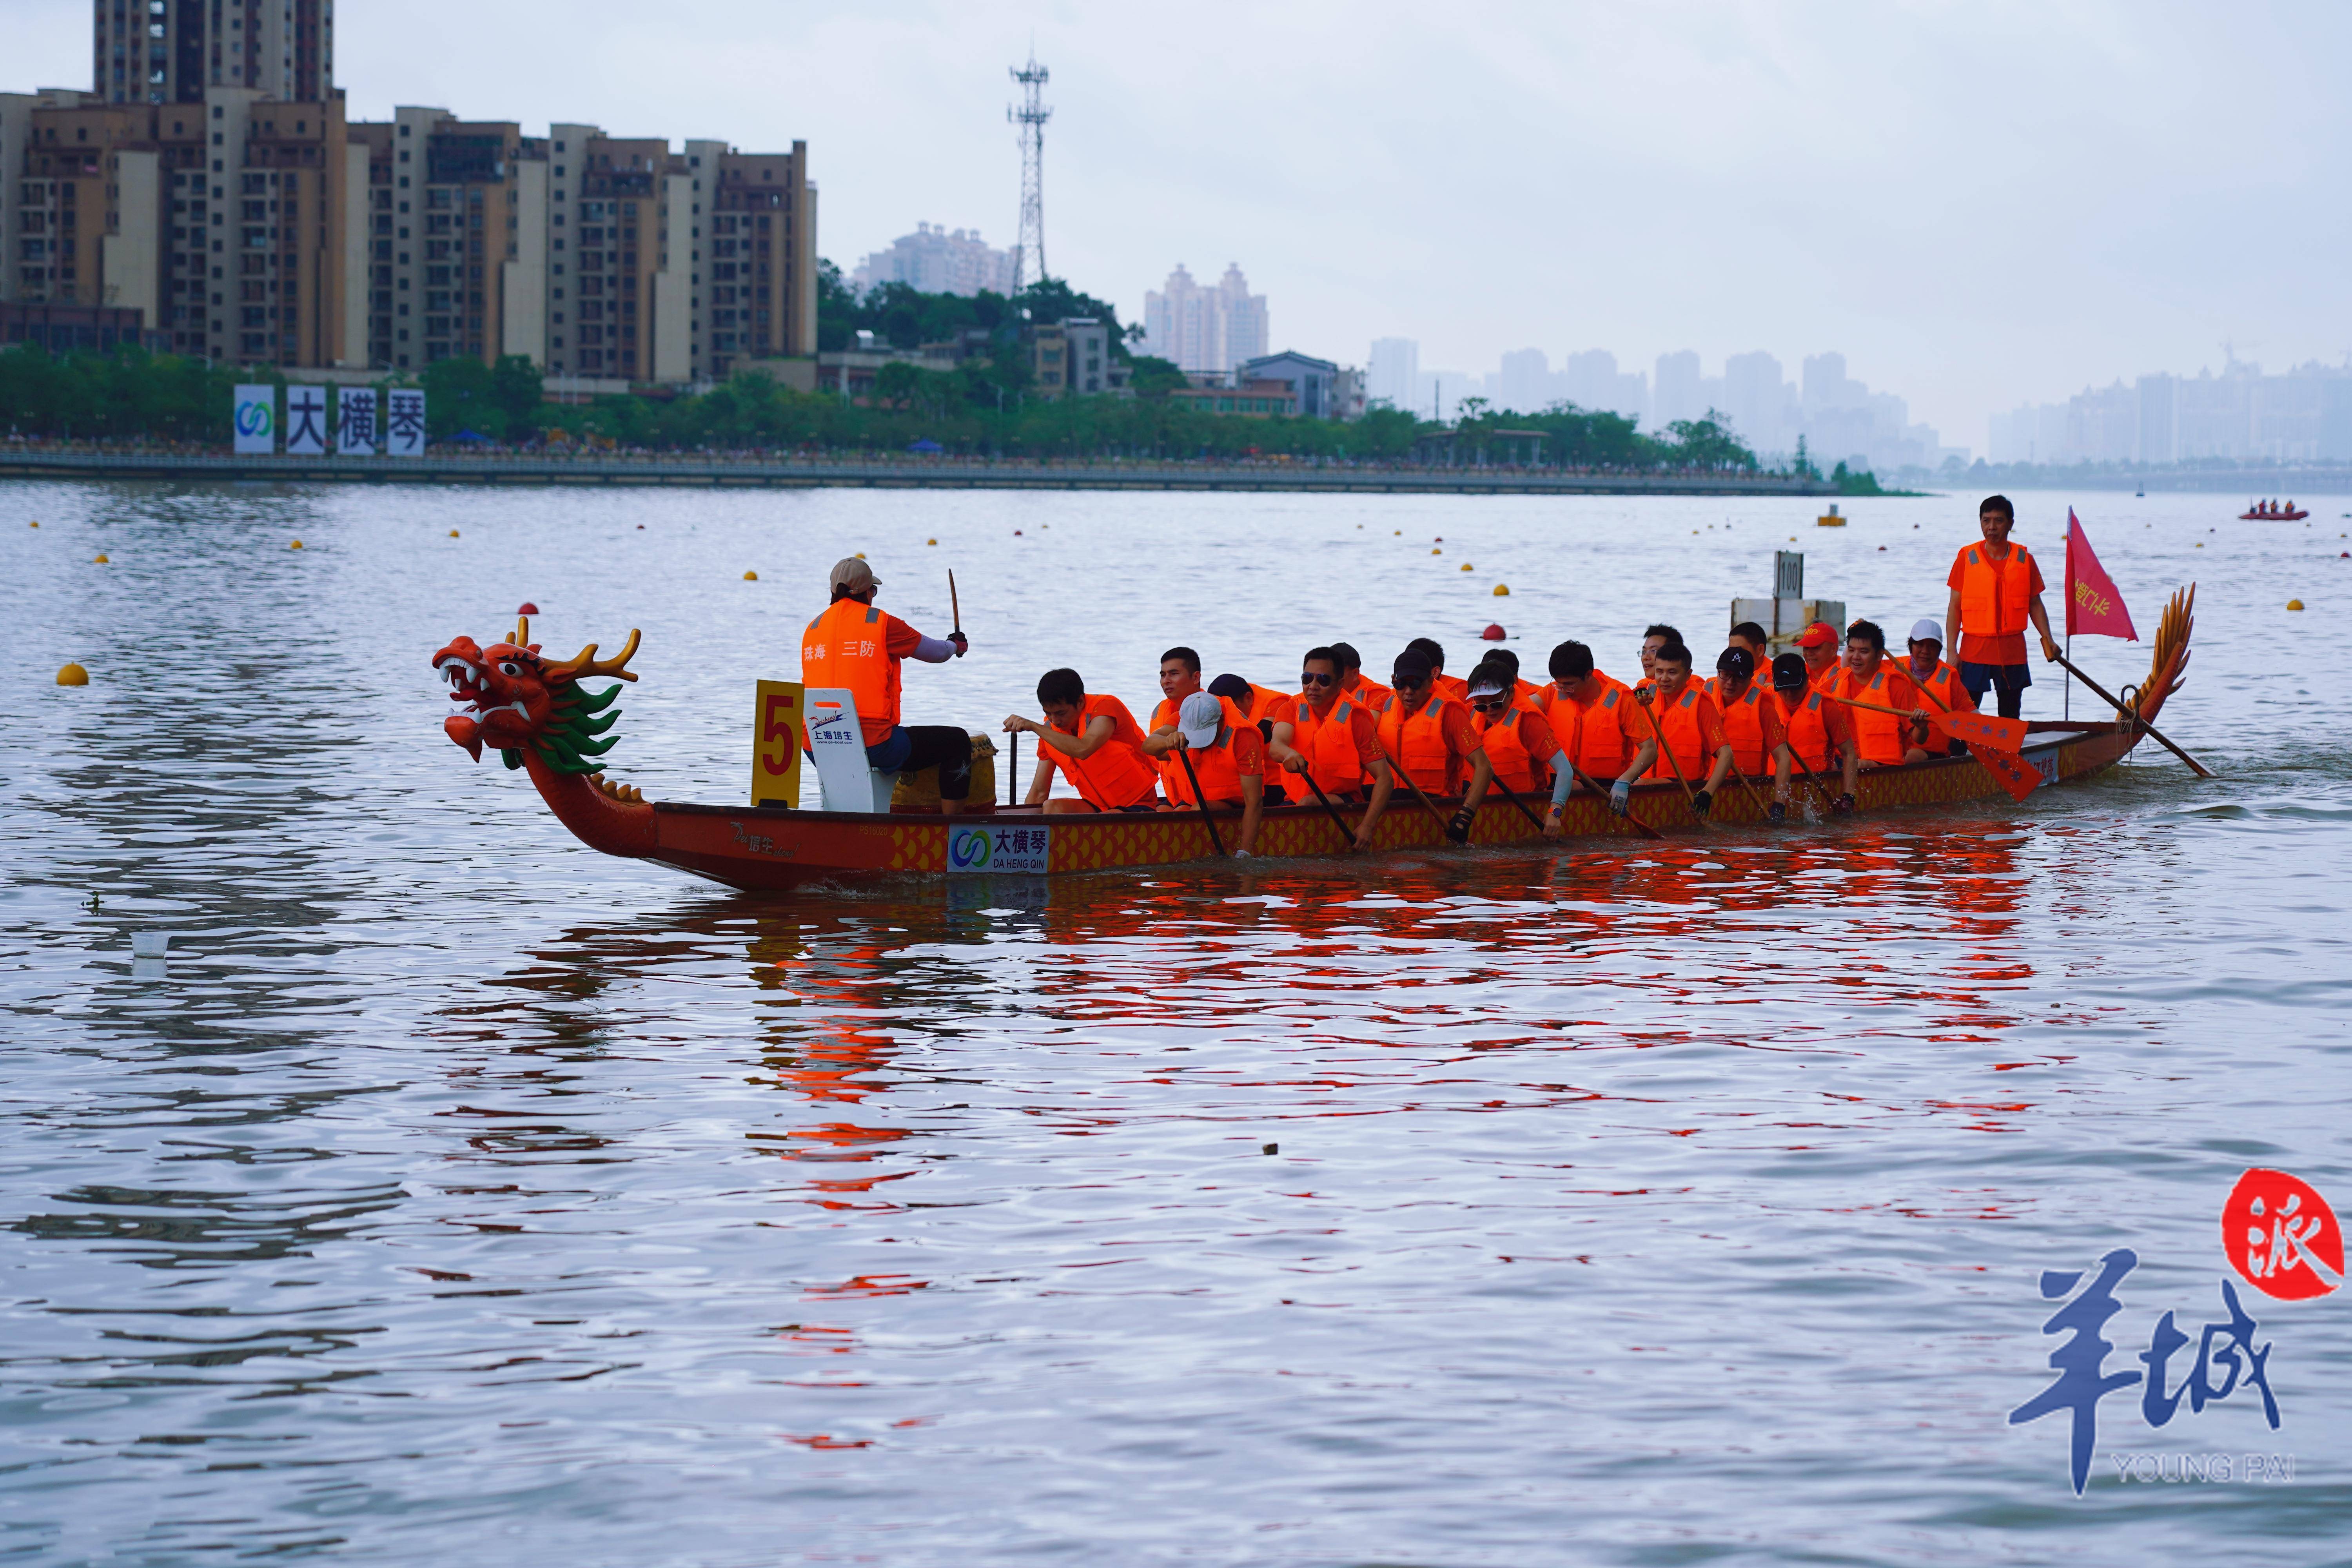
(1229, 757)
(1996, 590)
(1818, 645)
(1180, 676)
(1519, 743)
(1883, 739)
(1751, 722)
(1452, 686)
(1595, 719)
(1433, 739)
(1354, 682)
(856, 647)
(1095, 741)
(1815, 731)
(1653, 639)
(1939, 680)
(1690, 724)
(1260, 705)
(1334, 740)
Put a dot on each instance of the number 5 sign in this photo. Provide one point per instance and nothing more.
(776, 744)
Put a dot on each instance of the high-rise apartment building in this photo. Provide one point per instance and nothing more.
(1392, 373)
(937, 262)
(1205, 330)
(212, 183)
(174, 51)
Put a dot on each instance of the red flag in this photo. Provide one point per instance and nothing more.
(2094, 606)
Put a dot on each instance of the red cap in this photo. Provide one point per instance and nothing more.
(1821, 634)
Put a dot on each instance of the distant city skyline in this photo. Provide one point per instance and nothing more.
(938, 261)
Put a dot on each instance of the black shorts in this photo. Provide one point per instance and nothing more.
(2008, 677)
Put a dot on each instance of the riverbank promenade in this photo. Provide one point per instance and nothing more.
(21, 460)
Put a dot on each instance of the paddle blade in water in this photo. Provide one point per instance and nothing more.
(2013, 773)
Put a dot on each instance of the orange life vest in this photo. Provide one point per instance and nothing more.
(1328, 744)
(1880, 737)
(1808, 732)
(1507, 748)
(1118, 775)
(1452, 686)
(1996, 598)
(1171, 771)
(1602, 749)
(844, 648)
(1743, 726)
(1416, 742)
(1678, 726)
(1944, 695)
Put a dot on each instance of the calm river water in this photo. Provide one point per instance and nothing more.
(454, 1194)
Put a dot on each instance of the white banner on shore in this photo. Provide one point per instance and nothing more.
(256, 422)
(355, 421)
(305, 421)
(404, 422)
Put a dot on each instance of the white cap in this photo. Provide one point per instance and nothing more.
(1198, 718)
(1926, 631)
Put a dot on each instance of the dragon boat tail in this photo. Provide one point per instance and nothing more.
(534, 712)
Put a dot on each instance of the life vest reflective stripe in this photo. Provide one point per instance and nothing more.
(1880, 737)
(1678, 725)
(1328, 744)
(844, 647)
(1119, 773)
(1743, 726)
(1171, 771)
(1996, 598)
(1417, 742)
(1943, 684)
(1507, 748)
(1807, 731)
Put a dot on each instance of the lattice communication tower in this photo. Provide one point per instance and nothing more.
(1030, 115)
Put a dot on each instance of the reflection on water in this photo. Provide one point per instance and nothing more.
(457, 1194)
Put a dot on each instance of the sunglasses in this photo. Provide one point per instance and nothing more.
(1490, 704)
(1307, 678)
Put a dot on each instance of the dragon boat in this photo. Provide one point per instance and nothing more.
(536, 714)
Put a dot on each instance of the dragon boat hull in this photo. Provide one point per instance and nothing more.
(774, 848)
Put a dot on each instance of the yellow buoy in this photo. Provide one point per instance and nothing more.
(750, 576)
(101, 561)
(1502, 591)
(861, 555)
(931, 542)
(1437, 552)
(296, 546)
(72, 674)
(2291, 603)
(2200, 544)
(1398, 532)
(1465, 566)
(453, 533)
(36, 525)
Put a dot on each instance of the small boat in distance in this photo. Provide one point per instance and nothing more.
(2271, 512)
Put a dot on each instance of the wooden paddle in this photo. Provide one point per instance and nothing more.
(1641, 695)
(2005, 764)
(1512, 795)
(1644, 828)
(1347, 835)
(1185, 757)
(2197, 767)
(954, 609)
(1976, 729)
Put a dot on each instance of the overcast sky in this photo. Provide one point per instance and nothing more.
(1979, 203)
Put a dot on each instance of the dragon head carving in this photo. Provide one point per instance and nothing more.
(518, 701)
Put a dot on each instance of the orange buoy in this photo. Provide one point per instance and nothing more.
(72, 674)
(296, 546)
(1502, 591)
(750, 576)
(100, 560)
(453, 533)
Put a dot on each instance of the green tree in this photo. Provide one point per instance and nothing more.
(518, 389)
(459, 394)
(1152, 378)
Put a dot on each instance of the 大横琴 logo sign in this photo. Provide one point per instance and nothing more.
(2282, 1239)
(980, 847)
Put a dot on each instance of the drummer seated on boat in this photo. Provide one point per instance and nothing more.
(1433, 739)
(856, 647)
(1690, 724)
(1093, 742)
(1228, 758)
(1330, 743)
(1883, 739)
